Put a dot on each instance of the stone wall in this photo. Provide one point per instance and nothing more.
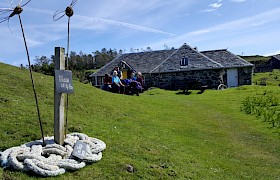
(245, 76)
(166, 80)
(210, 77)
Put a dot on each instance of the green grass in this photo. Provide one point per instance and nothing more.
(271, 78)
(163, 135)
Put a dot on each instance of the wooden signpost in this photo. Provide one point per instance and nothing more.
(62, 84)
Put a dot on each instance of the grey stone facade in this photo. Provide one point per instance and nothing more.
(245, 76)
(210, 77)
(167, 80)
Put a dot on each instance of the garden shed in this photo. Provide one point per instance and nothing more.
(275, 62)
(164, 67)
(267, 66)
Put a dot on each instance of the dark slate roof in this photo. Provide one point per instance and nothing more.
(277, 57)
(143, 61)
(196, 61)
(169, 60)
(226, 58)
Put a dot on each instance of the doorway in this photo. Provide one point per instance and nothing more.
(232, 77)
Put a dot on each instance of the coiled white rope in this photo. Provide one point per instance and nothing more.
(53, 159)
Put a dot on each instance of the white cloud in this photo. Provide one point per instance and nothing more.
(240, 25)
(85, 22)
(186, 14)
(244, 23)
(199, 32)
(124, 10)
(133, 23)
(88, 20)
(39, 34)
(215, 5)
(258, 23)
(238, 1)
(147, 13)
(273, 53)
(208, 10)
(41, 11)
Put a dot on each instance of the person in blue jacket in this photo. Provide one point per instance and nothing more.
(117, 85)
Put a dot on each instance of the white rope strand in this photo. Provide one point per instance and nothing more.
(53, 159)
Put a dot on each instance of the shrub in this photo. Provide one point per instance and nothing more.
(265, 106)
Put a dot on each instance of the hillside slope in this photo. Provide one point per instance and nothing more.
(162, 134)
(255, 58)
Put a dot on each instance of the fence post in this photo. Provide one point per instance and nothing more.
(59, 64)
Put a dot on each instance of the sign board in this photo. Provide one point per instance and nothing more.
(63, 82)
(81, 150)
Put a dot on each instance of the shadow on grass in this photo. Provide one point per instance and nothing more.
(187, 93)
(183, 93)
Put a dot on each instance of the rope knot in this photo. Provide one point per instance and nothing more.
(69, 11)
(17, 10)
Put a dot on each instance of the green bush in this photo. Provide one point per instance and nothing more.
(266, 106)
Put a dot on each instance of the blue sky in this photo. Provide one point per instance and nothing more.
(248, 27)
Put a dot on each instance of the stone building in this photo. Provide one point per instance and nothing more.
(275, 61)
(163, 68)
(267, 66)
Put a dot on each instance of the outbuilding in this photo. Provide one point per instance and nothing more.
(267, 65)
(275, 62)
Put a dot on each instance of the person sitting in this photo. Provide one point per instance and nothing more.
(132, 77)
(107, 86)
(140, 81)
(131, 85)
(117, 85)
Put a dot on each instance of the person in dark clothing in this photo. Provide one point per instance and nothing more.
(140, 81)
(107, 85)
(132, 85)
(119, 72)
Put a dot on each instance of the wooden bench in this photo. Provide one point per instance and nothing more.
(186, 85)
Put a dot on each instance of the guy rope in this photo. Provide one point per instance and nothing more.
(17, 11)
(58, 15)
(45, 157)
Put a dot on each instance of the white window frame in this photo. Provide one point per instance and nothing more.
(184, 61)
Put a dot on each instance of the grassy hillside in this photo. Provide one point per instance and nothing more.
(256, 58)
(162, 134)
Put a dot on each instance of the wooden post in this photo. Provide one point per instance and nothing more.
(59, 64)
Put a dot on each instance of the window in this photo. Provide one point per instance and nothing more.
(184, 61)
